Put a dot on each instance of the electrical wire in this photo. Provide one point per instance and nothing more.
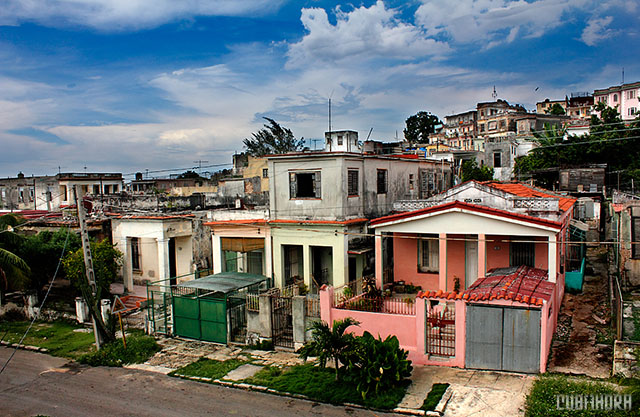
(64, 247)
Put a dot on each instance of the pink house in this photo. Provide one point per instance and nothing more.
(489, 258)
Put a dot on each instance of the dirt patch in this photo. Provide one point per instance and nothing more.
(582, 344)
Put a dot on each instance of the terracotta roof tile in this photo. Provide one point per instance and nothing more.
(522, 190)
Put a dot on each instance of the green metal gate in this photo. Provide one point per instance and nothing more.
(202, 318)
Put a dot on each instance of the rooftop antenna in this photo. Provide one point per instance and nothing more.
(314, 143)
(369, 135)
(622, 75)
(494, 94)
(330, 95)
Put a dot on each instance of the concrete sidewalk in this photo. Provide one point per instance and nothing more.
(474, 393)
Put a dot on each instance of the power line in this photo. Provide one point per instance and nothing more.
(64, 247)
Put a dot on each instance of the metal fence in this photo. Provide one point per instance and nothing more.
(312, 304)
(617, 305)
(441, 332)
(347, 291)
(374, 304)
(253, 302)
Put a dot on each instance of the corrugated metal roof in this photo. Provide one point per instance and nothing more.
(225, 282)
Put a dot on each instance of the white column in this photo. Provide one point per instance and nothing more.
(306, 266)
(268, 257)
(552, 258)
(163, 258)
(127, 267)
(216, 247)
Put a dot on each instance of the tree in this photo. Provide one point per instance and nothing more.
(272, 139)
(471, 171)
(188, 175)
(106, 263)
(420, 126)
(330, 343)
(556, 109)
(14, 271)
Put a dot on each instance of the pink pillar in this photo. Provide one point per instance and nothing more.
(544, 334)
(482, 255)
(379, 270)
(421, 326)
(442, 279)
(461, 332)
(326, 303)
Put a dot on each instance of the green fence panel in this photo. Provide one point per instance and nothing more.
(213, 320)
(186, 327)
(186, 307)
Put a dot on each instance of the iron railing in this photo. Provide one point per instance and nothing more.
(377, 304)
(312, 304)
(441, 332)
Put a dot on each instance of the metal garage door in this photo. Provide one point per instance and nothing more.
(501, 338)
(200, 318)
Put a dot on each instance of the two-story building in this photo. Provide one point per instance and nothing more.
(623, 97)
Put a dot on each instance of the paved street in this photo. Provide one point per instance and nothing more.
(35, 384)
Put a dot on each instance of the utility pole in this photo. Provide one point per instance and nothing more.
(88, 260)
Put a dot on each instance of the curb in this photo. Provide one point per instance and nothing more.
(24, 347)
(260, 388)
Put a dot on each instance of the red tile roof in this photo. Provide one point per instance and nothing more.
(522, 190)
(526, 285)
(470, 207)
(282, 221)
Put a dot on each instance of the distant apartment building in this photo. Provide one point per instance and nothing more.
(461, 130)
(623, 97)
(497, 121)
(56, 191)
(578, 106)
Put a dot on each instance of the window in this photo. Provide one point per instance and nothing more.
(631, 94)
(492, 125)
(265, 172)
(96, 189)
(411, 181)
(428, 253)
(503, 124)
(631, 111)
(352, 182)
(382, 181)
(63, 193)
(305, 185)
(615, 98)
(522, 253)
(135, 254)
(635, 232)
(340, 140)
(481, 127)
(115, 188)
(497, 160)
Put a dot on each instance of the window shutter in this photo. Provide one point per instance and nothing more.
(424, 188)
(434, 254)
(635, 229)
(293, 188)
(317, 185)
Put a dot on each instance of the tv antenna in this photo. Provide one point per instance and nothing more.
(494, 94)
(330, 95)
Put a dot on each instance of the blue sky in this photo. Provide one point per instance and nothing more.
(129, 85)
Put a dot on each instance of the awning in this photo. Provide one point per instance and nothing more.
(242, 244)
(225, 282)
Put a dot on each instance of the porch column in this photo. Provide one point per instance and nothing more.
(552, 258)
(379, 269)
(216, 248)
(442, 279)
(268, 256)
(127, 267)
(482, 255)
(306, 266)
(163, 258)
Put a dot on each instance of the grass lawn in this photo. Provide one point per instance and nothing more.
(58, 337)
(209, 368)
(541, 400)
(320, 384)
(434, 396)
(140, 347)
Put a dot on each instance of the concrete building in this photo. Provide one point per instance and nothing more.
(161, 247)
(623, 97)
(461, 130)
(54, 192)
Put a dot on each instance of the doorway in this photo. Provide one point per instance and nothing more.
(172, 261)
(471, 261)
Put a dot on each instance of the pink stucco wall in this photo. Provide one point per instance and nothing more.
(455, 261)
(497, 252)
(542, 253)
(405, 255)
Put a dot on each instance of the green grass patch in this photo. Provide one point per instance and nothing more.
(433, 398)
(209, 368)
(320, 384)
(59, 337)
(541, 401)
(139, 349)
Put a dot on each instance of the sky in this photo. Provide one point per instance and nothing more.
(137, 85)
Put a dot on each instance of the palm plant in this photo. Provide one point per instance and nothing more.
(330, 343)
(14, 271)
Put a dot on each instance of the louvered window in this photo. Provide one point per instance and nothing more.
(352, 182)
(382, 181)
(428, 253)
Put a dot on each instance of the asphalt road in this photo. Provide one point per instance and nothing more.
(34, 384)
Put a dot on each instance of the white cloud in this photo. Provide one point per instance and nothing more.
(597, 30)
(121, 15)
(361, 34)
(492, 21)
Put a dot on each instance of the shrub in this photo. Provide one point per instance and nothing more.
(138, 350)
(376, 365)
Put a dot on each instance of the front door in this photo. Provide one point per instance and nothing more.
(172, 260)
(471, 264)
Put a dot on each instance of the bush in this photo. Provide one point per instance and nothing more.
(376, 365)
(13, 314)
(263, 345)
(138, 350)
(434, 397)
